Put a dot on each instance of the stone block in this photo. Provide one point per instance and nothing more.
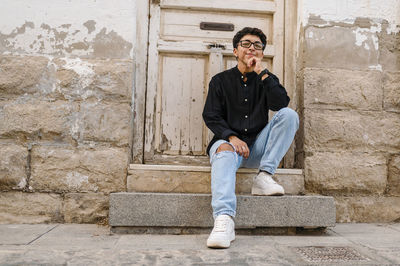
(394, 176)
(13, 166)
(368, 131)
(168, 181)
(194, 210)
(368, 209)
(391, 91)
(85, 208)
(100, 79)
(341, 47)
(35, 118)
(20, 207)
(345, 173)
(191, 181)
(114, 78)
(21, 74)
(106, 122)
(342, 88)
(61, 169)
(389, 50)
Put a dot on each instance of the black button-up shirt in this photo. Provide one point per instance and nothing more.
(239, 108)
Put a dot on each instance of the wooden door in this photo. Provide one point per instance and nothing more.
(189, 42)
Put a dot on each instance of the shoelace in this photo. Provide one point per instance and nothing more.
(269, 180)
(220, 225)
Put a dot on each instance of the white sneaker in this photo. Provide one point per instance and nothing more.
(264, 185)
(223, 232)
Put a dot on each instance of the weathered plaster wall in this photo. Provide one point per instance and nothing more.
(350, 81)
(66, 81)
(94, 28)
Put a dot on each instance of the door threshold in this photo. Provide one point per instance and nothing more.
(191, 168)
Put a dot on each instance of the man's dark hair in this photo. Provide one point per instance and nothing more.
(248, 30)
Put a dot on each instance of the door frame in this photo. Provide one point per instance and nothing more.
(140, 79)
(291, 35)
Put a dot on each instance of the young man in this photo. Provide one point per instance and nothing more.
(236, 111)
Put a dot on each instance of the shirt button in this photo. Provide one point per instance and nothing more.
(245, 116)
(245, 129)
(245, 100)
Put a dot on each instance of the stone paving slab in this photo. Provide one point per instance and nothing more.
(75, 244)
(22, 234)
(371, 235)
(77, 236)
(395, 226)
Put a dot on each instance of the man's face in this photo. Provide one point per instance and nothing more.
(244, 54)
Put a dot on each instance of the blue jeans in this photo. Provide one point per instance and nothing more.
(267, 151)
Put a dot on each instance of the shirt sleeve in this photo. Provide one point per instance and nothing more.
(214, 113)
(276, 94)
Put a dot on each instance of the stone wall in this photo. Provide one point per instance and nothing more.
(66, 87)
(350, 97)
(66, 119)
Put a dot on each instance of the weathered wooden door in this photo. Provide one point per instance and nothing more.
(189, 42)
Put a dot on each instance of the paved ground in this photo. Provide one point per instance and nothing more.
(72, 244)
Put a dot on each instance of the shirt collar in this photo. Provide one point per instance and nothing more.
(249, 75)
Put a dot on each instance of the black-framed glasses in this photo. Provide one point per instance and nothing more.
(247, 44)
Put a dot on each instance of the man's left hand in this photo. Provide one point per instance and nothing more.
(254, 63)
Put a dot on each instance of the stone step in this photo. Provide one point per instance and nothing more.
(196, 179)
(175, 210)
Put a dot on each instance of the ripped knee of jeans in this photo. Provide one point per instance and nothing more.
(225, 147)
(225, 151)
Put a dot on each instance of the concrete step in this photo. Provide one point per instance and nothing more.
(196, 179)
(174, 210)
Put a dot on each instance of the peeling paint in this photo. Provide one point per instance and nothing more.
(61, 41)
(82, 68)
(363, 35)
(365, 32)
(353, 12)
(110, 43)
(360, 36)
(69, 28)
(90, 25)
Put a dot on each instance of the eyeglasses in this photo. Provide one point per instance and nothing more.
(247, 44)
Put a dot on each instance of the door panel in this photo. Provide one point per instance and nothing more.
(181, 61)
(181, 101)
(184, 24)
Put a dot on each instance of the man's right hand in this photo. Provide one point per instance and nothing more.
(240, 146)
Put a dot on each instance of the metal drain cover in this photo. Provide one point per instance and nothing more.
(329, 254)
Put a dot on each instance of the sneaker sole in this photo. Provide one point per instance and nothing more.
(260, 192)
(219, 244)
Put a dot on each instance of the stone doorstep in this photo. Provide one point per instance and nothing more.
(196, 179)
(175, 210)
